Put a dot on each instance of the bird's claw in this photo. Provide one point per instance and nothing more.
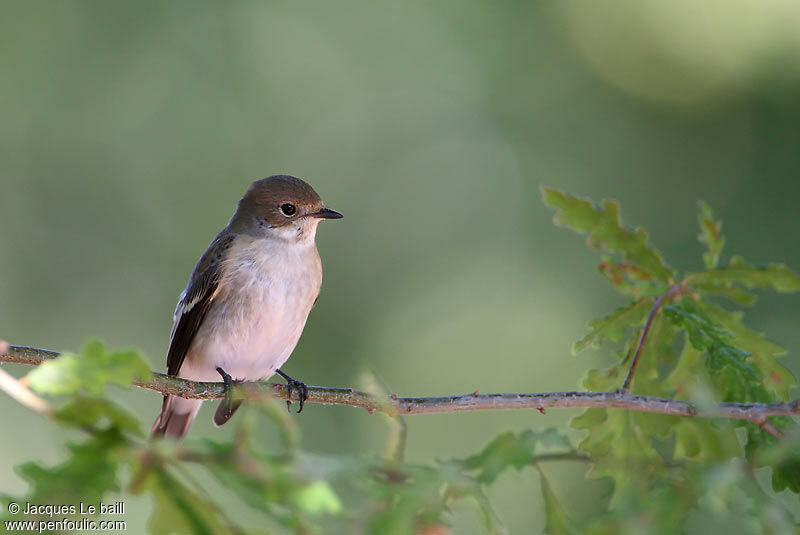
(302, 393)
(291, 385)
(229, 382)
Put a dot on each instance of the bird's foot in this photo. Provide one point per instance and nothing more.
(227, 379)
(294, 384)
(229, 383)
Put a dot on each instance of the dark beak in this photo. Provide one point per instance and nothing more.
(326, 213)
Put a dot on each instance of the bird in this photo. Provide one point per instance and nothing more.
(248, 298)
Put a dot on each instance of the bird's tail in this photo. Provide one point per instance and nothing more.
(176, 417)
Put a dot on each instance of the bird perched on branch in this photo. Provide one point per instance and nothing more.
(248, 298)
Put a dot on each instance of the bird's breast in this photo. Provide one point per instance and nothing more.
(265, 295)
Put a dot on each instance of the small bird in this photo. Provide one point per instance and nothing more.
(248, 298)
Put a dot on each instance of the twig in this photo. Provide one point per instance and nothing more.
(769, 428)
(19, 391)
(22, 394)
(674, 289)
(752, 412)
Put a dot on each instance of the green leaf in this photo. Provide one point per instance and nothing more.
(86, 475)
(777, 379)
(88, 371)
(620, 444)
(606, 231)
(617, 277)
(704, 440)
(518, 451)
(786, 475)
(318, 497)
(732, 370)
(629, 280)
(689, 376)
(734, 293)
(776, 277)
(657, 356)
(698, 438)
(91, 412)
(710, 235)
(612, 327)
(782, 455)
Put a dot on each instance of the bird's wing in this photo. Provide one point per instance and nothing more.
(194, 303)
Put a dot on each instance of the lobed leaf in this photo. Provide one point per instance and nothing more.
(88, 371)
(620, 445)
(776, 277)
(732, 370)
(727, 290)
(657, 357)
(91, 412)
(629, 280)
(786, 474)
(696, 438)
(612, 327)
(763, 353)
(782, 455)
(88, 474)
(509, 450)
(617, 277)
(606, 231)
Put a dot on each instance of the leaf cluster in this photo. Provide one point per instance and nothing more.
(664, 469)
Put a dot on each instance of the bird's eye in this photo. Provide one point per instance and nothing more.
(288, 209)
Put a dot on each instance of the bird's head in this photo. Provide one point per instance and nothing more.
(282, 206)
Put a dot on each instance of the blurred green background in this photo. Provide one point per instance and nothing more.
(129, 131)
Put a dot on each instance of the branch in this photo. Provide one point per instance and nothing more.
(674, 289)
(19, 391)
(393, 405)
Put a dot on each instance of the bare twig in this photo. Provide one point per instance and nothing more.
(18, 390)
(22, 393)
(674, 289)
(753, 412)
(769, 428)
